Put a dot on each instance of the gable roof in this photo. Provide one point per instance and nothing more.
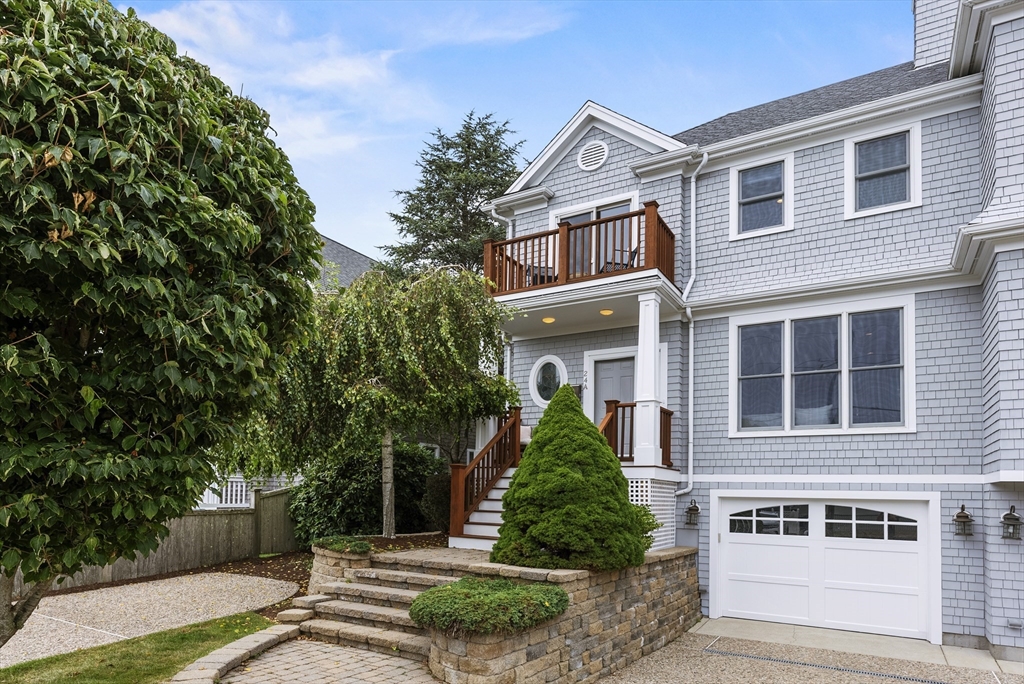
(849, 93)
(592, 114)
(341, 264)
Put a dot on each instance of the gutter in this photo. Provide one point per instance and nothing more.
(689, 317)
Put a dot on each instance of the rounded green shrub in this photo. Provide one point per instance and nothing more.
(568, 503)
(478, 606)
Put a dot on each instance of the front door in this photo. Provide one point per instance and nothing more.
(613, 380)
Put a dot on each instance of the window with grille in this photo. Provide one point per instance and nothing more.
(883, 171)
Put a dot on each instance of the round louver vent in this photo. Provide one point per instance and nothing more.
(592, 156)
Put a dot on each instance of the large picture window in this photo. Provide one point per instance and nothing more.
(846, 370)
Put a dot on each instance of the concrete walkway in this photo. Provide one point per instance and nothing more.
(68, 622)
(856, 642)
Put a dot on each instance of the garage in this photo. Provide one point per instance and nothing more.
(843, 563)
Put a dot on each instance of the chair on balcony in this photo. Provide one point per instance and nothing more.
(612, 266)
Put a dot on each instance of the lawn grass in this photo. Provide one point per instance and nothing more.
(143, 660)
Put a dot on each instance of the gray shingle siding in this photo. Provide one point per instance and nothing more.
(1003, 362)
(824, 247)
(934, 22)
(1002, 141)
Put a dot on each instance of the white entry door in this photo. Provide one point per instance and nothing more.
(860, 565)
(613, 379)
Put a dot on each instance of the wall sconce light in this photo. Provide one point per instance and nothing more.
(693, 512)
(1011, 524)
(963, 523)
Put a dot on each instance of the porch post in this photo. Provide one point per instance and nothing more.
(647, 422)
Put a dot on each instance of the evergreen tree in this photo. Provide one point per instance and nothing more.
(442, 222)
(568, 503)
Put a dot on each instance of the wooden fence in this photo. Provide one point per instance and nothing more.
(201, 538)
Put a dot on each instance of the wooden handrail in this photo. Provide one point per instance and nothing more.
(666, 437)
(611, 245)
(622, 444)
(471, 482)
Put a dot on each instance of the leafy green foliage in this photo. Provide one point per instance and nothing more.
(345, 496)
(437, 501)
(478, 606)
(155, 250)
(568, 503)
(343, 544)
(442, 219)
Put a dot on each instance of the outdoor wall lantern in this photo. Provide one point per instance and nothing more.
(1011, 524)
(693, 512)
(963, 523)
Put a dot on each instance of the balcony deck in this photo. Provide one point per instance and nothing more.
(609, 246)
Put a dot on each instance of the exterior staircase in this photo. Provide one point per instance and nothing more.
(480, 531)
(369, 608)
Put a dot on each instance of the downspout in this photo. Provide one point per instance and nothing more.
(502, 219)
(689, 318)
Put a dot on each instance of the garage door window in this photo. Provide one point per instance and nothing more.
(866, 523)
(789, 519)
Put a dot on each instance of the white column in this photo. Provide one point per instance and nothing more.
(647, 421)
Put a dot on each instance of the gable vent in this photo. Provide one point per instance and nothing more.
(592, 156)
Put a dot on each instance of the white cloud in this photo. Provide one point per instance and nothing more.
(487, 23)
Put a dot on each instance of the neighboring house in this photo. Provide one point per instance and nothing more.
(825, 356)
(342, 265)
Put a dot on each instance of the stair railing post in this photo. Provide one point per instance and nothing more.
(517, 443)
(612, 433)
(457, 516)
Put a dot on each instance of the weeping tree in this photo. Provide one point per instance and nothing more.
(155, 254)
(388, 359)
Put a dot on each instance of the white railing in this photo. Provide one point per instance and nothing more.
(233, 493)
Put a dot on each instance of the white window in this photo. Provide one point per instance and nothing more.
(824, 369)
(761, 197)
(547, 376)
(883, 171)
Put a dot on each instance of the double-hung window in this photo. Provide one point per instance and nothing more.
(761, 198)
(833, 369)
(883, 171)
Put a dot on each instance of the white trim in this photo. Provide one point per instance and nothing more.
(663, 164)
(610, 354)
(563, 378)
(933, 499)
(834, 308)
(523, 201)
(849, 170)
(556, 214)
(656, 473)
(590, 115)
(860, 478)
(973, 33)
(787, 197)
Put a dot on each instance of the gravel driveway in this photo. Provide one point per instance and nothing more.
(69, 622)
(701, 659)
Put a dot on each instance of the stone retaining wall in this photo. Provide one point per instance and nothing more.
(329, 566)
(613, 619)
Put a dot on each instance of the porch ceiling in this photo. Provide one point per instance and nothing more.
(577, 308)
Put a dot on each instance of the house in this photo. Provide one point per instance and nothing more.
(342, 264)
(801, 327)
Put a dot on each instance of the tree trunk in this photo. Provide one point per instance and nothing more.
(387, 455)
(14, 615)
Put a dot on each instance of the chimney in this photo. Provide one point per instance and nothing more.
(934, 22)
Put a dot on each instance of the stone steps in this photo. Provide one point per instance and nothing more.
(404, 644)
(372, 594)
(368, 615)
(398, 579)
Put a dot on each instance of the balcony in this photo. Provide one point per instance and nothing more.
(637, 241)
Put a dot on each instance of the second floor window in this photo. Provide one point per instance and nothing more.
(883, 171)
(762, 197)
(826, 380)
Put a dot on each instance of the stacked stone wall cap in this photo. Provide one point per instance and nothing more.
(211, 667)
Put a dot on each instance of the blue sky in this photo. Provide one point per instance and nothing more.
(354, 89)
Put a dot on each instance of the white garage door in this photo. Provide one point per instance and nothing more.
(845, 564)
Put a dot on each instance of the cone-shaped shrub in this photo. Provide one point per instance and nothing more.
(568, 503)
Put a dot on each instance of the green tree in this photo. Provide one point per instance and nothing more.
(568, 503)
(390, 358)
(155, 250)
(442, 221)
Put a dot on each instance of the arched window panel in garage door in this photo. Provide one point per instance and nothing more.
(850, 522)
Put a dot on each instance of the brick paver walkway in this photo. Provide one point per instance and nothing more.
(314, 662)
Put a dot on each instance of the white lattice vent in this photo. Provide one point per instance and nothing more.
(640, 492)
(592, 156)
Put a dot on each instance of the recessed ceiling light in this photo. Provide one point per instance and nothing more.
(606, 312)
(548, 319)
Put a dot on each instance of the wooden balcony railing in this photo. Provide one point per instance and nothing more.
(472, 481)
(636, 241)
(618, 428)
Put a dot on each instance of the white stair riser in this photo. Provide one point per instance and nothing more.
(478, 530)
(479, 516)
(470, 543)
